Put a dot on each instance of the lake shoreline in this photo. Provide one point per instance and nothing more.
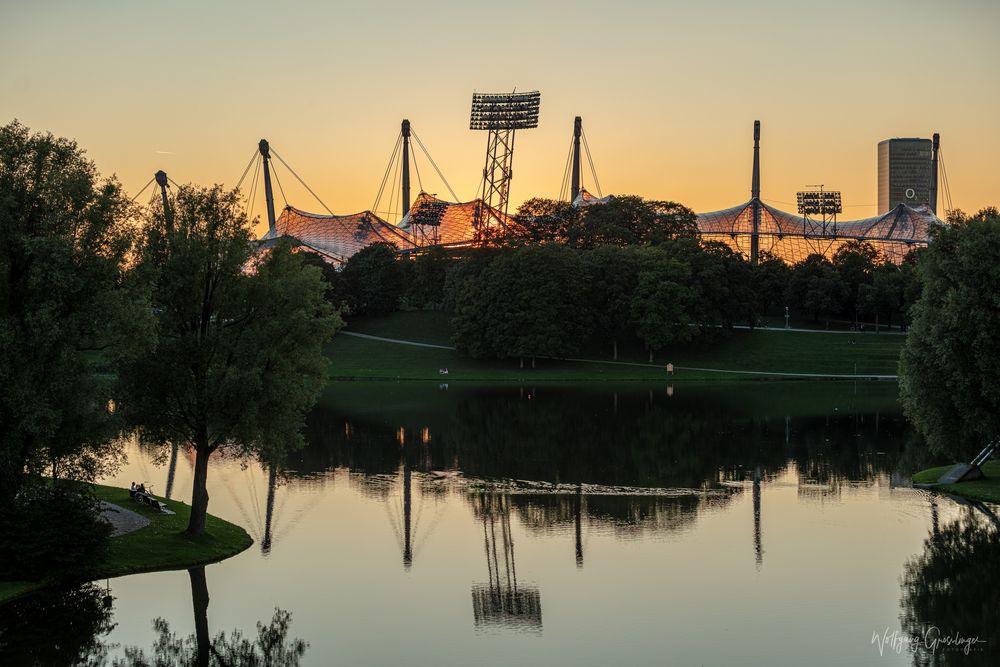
(159, 546)
(984, 490)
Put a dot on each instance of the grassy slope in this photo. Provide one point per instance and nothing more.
(987, 489)
(761, 350)
(162, 545)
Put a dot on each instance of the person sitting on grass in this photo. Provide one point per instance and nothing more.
(131, 490)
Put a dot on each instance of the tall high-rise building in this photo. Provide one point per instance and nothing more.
(905, 173)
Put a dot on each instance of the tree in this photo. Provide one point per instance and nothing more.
(950, 365)
(771, 278)
(526, 302)
(336, 291)
(542, 221)
(883, 295)
(64, 238)
(855, 263)
(611, 277)
(427, 275)
(631, 221)
(815, 287)
(238, 356)
(662, 302)
(375, 280)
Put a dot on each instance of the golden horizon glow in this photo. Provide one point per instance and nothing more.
(668, 92)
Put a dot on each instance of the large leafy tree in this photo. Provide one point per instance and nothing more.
(855, 263)
(816, 287)
(525, 303)
(611, 276)
(663, 300)
(64, 238)
(375, 280)
(950, 365)
(631, 220)
(238, 355)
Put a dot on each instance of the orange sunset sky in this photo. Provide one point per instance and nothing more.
(668, 91)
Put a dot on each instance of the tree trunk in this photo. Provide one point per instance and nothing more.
(199, 494)
(199, 598)
(532, 362)
(615, 350)
(876, 321)
(522, 362)
(650, 355)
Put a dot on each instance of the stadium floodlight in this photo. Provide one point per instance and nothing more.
(824, 203)
(500, 114)
(505, 111)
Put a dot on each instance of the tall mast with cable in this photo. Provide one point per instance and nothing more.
(935, 145)
(406, 166)
(575, 187)
(168, 216)
(265, 153)
(755, 196)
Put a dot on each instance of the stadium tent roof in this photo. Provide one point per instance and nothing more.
(584, 198)
(434, 221)
(339, 236)
(792, 237)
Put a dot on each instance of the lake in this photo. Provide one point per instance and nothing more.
(424, 524)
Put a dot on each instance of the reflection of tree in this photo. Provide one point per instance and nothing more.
(56, 627)
(953, 587)
(270, 646)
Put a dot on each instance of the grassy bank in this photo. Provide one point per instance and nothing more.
(742, 355)
(162, 545)
(986, 489)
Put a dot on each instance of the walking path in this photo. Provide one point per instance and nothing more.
(122, 520)
(863, 376)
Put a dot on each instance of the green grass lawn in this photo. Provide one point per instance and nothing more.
(986, 489)
(743, 352)
(162, 545)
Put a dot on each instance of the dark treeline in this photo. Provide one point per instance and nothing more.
(564, 279)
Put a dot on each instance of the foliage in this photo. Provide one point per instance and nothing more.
(662, 299)
(238, 357)
(543, 221)
(855, 263)
(336, 290)
(816, 287)
(375, 280)
(525, 303)
(630, 220)
(610, 278)
(51, 530)
(950, 366)
(771, 278)
(64, 239)
(426, 278)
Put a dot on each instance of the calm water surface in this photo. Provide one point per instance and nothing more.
(764, 523)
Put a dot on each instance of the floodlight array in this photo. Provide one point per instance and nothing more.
(819, 203)
(505, 111)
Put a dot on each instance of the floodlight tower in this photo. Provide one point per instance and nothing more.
(755, 196)
(575, 187)
(500, 114)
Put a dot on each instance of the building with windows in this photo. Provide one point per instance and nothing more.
(905, 173)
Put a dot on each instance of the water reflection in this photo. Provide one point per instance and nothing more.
(502, 601)
(57, 627)
(951, 603)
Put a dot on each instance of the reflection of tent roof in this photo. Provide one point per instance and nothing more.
(792, 237)
(584, 198)
(339, 236)
(433, 220)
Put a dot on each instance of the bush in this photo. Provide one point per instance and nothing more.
(51, 532)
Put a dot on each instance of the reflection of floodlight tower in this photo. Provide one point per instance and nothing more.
(755, 196)
(502, 602)
(825, 204)
(500, 115)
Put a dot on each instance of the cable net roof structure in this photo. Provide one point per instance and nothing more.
(585, 198)
(433, 221)
(337, 237)
(793, 238)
